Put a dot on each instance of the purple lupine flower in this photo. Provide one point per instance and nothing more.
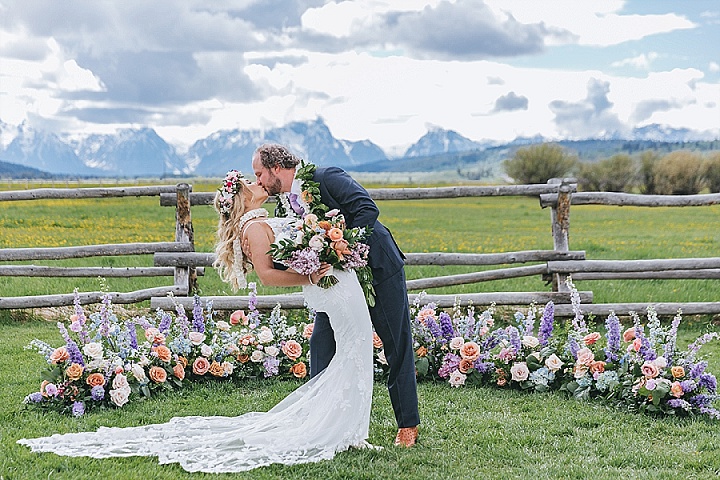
(165, 321)
(529, 325)
(182, 320)
(305, 261)
(252, 294)
(132, 334)
(695, 346)
(81, 318)
(514, 338)
(483, 367)
(142, 322)
(271, 365)
(35, 397)
(701, 400)
(450, 364)
(612, 325)
(198, 324)
(446, 326)
(646, 351)
(679, 403)
(572, 346)
(97, 392)
(669, 351)
(433, 327)
(492, 340)
(711, 412)
(71, 346)
(688, 385)
(546, 324)
(698, 369)
(78, 409)
(708, 381)
(105, 309)
(578, 321)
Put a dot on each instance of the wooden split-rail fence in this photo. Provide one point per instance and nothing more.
(180, 260)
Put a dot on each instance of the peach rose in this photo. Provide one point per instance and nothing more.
(629, 334)
(585, 356)
(465, 365)
(182, 361)
(243, 358)
(74, 371)
(426, 313)
(677, 371)
(470, 350)
(676, 390)
(179, 371)
(201, 366)
(44, 384)
(95, 379)
(157, 374)
(335, 234)
(299, 370)
(598, 366)
(59, 355)
(308, 330)
(591, 338)
(163, 353)
(501, 382)
(238, 317)
(377, 343)
(421, 352)
(580, 370)
(216, 369)
(292, 349)
(650, 370)
(325, 225)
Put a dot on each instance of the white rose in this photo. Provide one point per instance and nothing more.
(317, 242)
(223, 326)
(139, 373)
(257, 356)
(456, 343)
(553, 363)
(272, 350)
(196, 338)
(228, 368)
(94, 350)
(660, 362)
(530, 341)
(519, 371)
(381, 357)
(120, 396)
(265, 335)
(206, 350)
(457, 378)
(120, 381)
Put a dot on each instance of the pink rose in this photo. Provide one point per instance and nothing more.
(591, 338)
(292, 349)
(308, 330)
(456, 343)
(470, 350)
(201, 366)
(585, 356)
(676, 390)
(650, 370)
(629, 334)
(196, 338)
(238, 316)
(519, 371)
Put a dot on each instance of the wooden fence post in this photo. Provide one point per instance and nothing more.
(560, 217)
(184, 276)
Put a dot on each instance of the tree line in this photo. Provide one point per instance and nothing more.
(681, 172)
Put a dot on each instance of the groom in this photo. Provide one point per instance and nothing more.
(275, 167)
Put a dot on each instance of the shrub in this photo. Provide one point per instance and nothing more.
(539, 163)
(679, 173)
(712, 172)
(614, 174)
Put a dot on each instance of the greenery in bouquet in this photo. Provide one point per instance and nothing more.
(310, 241)
(106, 362)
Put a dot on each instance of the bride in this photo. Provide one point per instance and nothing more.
(328, 414)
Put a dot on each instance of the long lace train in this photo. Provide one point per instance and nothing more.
(328, 414)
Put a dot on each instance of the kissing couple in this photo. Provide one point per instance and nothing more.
(331, 412)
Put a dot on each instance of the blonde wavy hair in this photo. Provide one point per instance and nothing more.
(231, 264)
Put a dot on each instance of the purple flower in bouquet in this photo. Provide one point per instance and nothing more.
(305, 261)
(711, 412)
(679, 403)
(198, 324)
(165, 322)
(78, 409)
(97, 393)
(51, 389)
(514, 338)
(546, 324)
(181, 320)
(688, 385)
(450, 364)
(357, 257)
(446, 326)
(132, 334)
(434, 328)
(71, 346)
(708, 381)
(35, 397)
(105, 310)
(572, 346)
(646, 351)
(483, 367)
(612, 325)
(695, 346)
(697, 370)
(701, 400)
(271, 365)
(669, 351)
(492, 341)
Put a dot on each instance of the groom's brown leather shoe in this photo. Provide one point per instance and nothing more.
(406, 437)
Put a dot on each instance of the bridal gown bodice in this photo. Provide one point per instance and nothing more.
(326, 415)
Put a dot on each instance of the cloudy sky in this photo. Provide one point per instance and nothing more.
(384, 70)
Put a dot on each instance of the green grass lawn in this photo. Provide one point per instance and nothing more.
(467, 432)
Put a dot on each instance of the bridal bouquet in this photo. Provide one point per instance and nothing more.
(309, 241)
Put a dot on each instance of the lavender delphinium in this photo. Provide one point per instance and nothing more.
(514, 338)
(81, 319)
(71, 346)
(671, 340)
(446, 326)
(450, 363)
(578, 321)
(612, 325)
(434, 329)
(165, 321)
(198, 324)
(132, 334)
(105, 312)
(546, 324)
(271, 365)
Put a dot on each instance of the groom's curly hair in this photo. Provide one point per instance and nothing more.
(272, 155)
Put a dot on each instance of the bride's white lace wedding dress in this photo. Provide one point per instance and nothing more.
(328, 414)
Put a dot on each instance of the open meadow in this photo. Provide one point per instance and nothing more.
(469, 432)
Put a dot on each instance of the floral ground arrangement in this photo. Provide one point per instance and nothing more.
(105, 362)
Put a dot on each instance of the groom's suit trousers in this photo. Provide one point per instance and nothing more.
(391, 314)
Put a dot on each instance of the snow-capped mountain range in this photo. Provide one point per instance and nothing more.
(141, 152)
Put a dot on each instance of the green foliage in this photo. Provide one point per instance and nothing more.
(539, 163)
(614, 174)
(648, 160)
(712, 172)
(679, 173)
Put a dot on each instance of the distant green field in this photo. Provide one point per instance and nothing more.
(472, 225)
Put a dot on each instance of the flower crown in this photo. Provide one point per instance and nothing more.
(228, 189)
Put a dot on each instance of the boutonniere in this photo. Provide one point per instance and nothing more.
(309, 196)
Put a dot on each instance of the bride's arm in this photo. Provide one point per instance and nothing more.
(259, 236)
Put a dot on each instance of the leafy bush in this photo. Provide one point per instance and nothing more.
(679, 173)
(539, 163)
(648, 160)
(712, 172)
(614, 174)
